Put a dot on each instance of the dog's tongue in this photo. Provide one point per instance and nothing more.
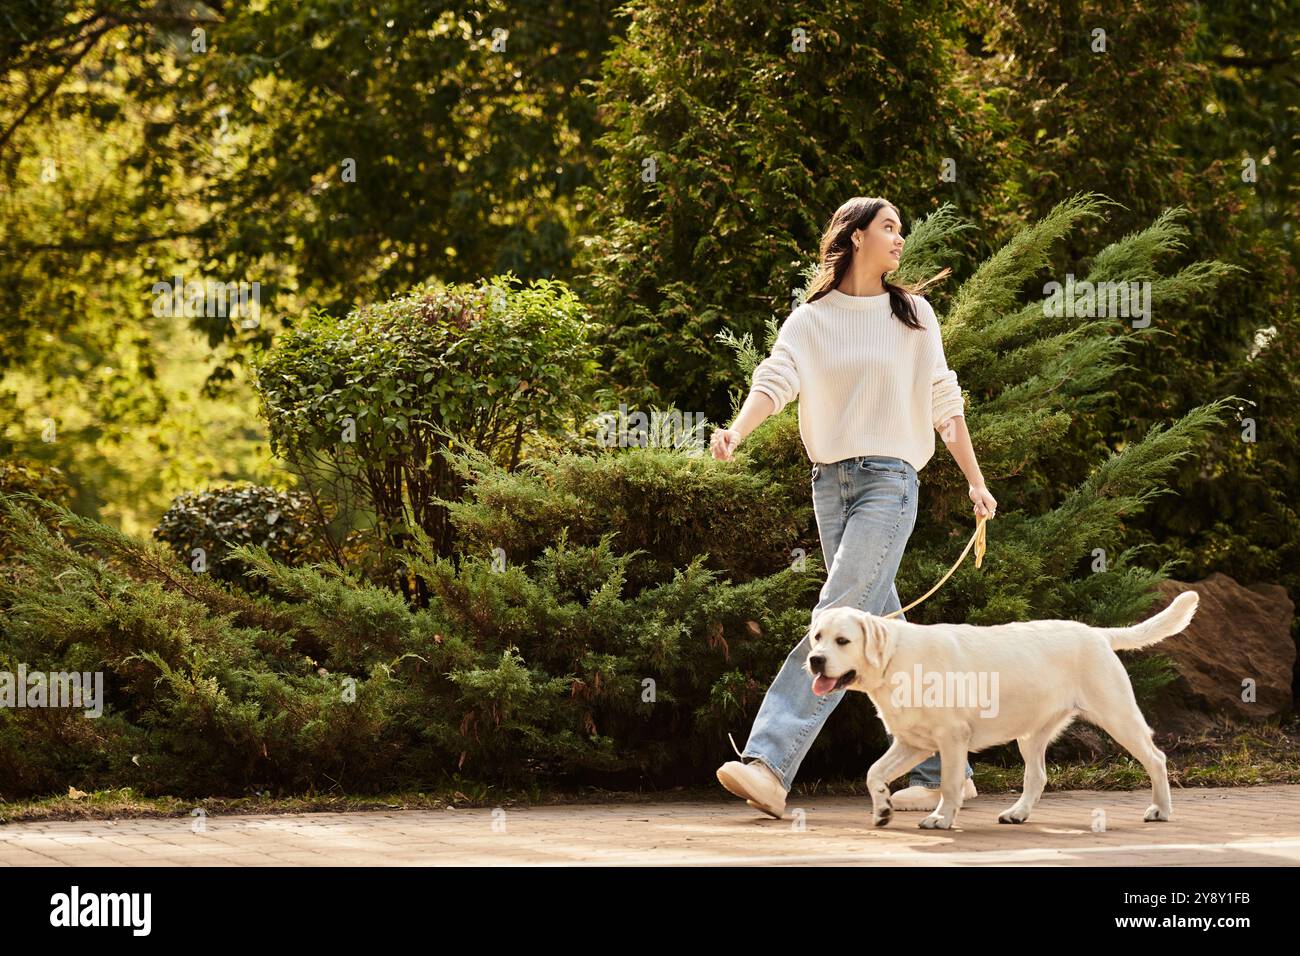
(823, 685)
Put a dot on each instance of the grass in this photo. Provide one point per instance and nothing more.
(1225, 756)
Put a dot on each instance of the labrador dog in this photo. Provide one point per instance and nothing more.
(957, 688)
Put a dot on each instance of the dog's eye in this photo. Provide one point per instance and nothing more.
(841, 641)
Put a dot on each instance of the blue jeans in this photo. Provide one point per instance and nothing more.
(866, 509)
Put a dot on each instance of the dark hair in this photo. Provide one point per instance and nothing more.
(836, 255)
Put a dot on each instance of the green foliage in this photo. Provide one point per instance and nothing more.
(664, 508)
(282, 522)
(20, 476)
(753, 141)
(1191, 106)
(467, 143)
(558, 667)
(1149, 673)
(377, 395)
(491, 362)
(127, 156)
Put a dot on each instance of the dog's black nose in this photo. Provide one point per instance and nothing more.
(817, 663)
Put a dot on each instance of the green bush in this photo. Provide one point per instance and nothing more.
(372, 399)
(557, 666)
(282, 522)
(30, 477)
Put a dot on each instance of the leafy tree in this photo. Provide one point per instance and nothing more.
(1192, 106)
(734, 130)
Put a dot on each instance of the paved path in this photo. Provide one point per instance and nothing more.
(1253, 826)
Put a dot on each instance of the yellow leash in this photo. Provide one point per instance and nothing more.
(977, 539)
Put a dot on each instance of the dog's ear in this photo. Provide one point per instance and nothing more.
(812, 624)
(877, 642)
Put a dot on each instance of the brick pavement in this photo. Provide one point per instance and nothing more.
(1253, 826)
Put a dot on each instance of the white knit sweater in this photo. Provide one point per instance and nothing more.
(867, 384)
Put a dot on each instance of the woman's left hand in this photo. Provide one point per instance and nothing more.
(985, 503)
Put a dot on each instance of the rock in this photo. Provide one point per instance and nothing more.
(1239, 633)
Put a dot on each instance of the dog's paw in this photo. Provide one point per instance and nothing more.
(935, 822)
(1012, 816)
(882, 818)
(1154, 813)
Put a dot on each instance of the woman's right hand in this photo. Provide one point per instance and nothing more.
(724, 443)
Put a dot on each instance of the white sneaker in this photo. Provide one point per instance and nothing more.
(925, 798)
(755, 784)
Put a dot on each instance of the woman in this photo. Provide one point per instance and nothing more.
(866, 360)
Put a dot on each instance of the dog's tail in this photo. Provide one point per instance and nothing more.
(1155, 629)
